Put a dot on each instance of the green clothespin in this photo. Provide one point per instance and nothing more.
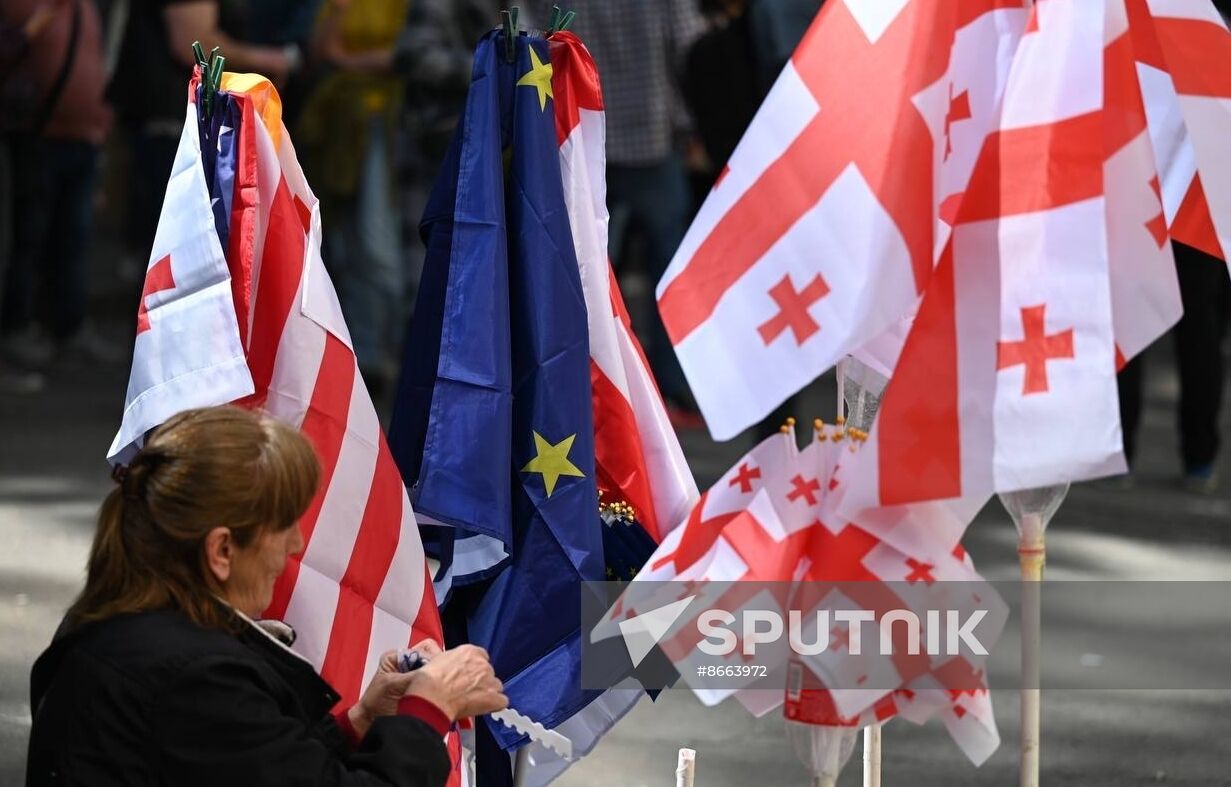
(509, 20)
(567, 20)
(198, 53)
(555, 19)
(212, 81)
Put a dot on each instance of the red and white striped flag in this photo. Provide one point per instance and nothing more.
(360, 586)
(823, 229)
(637, 454)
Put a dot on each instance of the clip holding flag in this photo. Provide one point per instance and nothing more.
(560, 20)
(211, 75)
(508, 19)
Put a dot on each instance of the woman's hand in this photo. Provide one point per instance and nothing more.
(387, 687)
(381, 696)
(460, 682)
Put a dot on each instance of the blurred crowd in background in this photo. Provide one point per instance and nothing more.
(92, 105)
(92, 108)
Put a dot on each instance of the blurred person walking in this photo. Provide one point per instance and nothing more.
(347, 133)
(281, 23)
(147, 90)
(435, 54)
(55, 121)
(18, 105)
(1206, 293)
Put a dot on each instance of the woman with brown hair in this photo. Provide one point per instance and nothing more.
(159, 675)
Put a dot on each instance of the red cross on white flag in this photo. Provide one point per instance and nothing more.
(1034, 349)
(824, 228)
(1014, 342)
(187, 351)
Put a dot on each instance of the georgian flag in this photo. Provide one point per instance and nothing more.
(187, 352)
(764, 522)
(1182, 48)
(824, 227)
(1007, 379)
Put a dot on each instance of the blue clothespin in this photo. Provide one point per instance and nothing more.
(410, 660)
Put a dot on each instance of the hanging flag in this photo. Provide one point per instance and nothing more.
(494, 426)
(267, 332)
(187, 352)
(1182, 48)
(637, 456)
(1005, 381)
(761, 527)
(1145, 291)
(823, 229)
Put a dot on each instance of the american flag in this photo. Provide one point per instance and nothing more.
(261, 325)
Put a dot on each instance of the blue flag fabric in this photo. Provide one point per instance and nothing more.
(219, 134)
(492, 426)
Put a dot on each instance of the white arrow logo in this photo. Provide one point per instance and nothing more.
(642, 633)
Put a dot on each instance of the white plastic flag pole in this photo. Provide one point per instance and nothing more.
(823, 749)
(872, 755)
(521, 766)
(685, 768)
(862, 393)
(1032, 510)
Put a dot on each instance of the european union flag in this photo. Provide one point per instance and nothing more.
(493, 423)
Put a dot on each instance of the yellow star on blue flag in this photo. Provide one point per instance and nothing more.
(538, 77)
(552, 461)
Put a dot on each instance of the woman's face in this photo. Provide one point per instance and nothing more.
(255, 568)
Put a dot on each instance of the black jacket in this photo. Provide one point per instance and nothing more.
(153, 699)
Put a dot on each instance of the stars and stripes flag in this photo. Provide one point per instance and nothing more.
(824, 227)
(260, 325)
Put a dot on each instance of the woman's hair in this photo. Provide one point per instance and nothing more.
(199, 470)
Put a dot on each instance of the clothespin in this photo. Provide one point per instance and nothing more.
(567, 20)
(216, 62)
(509, 20)
(211, 75)
(555, 19)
